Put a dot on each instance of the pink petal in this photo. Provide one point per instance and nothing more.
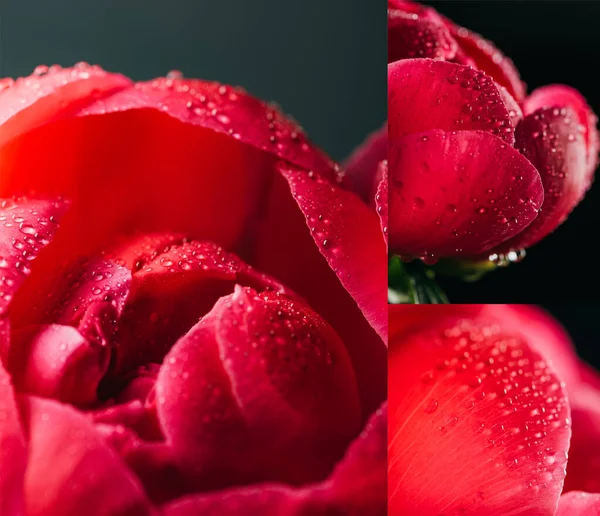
(26, 228)
(577, 503)
(489, 59)
(359, 482)
(13, 453)
(424, 94)
(266, 500)
(478, 424)
(71, 469)
(551, 140)
(414, 36)
(348, 287)
(583, 468)
(56, 361)
(259, 384)
(65, 294)
(458, 193)
(541, 331)
(558, 95)
(381, 199)
(171, 291)
(349, 237)
(514, 110)
(360, 170)
(180, 145)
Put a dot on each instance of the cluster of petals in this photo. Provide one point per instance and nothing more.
(490, 412)
(476, 166)
(193, 306)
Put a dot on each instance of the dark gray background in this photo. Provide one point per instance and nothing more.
(323, 61)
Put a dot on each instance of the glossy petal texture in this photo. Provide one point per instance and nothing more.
(358, 484)
(192, 137)
(259, 382)
(410, 35)
(458, 193)
(56, 361)
(356, 487)
(173, 287)
(583, 468)
(266, 500)
(360, 170)
(348, 236)
(424, 94)
(13, 454)
(381, 199)
(541, 331)
(478, 423)
(551, 139)
(285, 248)
(26, 228)
(486, 57)
(578, 503)
(71, 469)
(558, 95)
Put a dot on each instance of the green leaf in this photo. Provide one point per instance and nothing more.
(413, 283)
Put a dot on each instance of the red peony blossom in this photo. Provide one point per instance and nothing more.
(476, 167)
(151, 359)
(491, 412)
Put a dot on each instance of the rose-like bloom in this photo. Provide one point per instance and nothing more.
(152, 360)
(476, 166)
(491, 412)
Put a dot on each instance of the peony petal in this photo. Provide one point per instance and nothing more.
(458, 193)
(4, 340)
(266, 500)
(479, 423)
(411, 36)
(27, 227)
(171, 292)
(259, 384)
(424, 94)
(359, 482)
(71, 469)
(539, 329)
(583, 468)
(488, 58)
(381, 199)
(577, 503)
(53, 93)
(178, 144)
(550, 139)
(349, 237)
(66, 294)
(56, 361)
(13, 453)
(360, 170)
(558, 95)
(285, 247)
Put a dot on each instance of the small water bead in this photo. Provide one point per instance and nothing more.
(430, 406)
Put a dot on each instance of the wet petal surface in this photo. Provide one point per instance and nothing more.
(458, 193)
(478, 422)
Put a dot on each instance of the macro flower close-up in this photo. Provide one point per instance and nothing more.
(491, 413)
(480, 168)
(190, 321)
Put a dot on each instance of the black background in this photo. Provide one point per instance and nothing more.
(550, 42)
(323, 61)
(581, 321)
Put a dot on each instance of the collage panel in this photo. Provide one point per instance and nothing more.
(193, 264)
(493, 147)
(494, 410)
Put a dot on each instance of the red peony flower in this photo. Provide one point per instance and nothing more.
(490, 408)
(476, 166)
(152, 360)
